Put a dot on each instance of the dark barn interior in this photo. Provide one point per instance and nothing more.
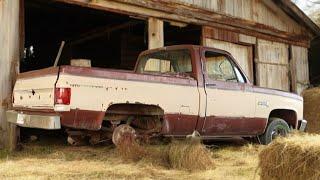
(314, 63)
(108, 39)
(102, 37)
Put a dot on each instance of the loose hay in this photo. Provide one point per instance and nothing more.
(129, 149)
(189, 155)
(312, 109)
(294, 157)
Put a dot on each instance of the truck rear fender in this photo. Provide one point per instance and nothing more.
(140, 115)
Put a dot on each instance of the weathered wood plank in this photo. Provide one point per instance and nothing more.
(9, 59)
(299, 69)
(247, 39)
(155, 40)
(171, 10)
(260, 11)
(155, 33)
(272, 65)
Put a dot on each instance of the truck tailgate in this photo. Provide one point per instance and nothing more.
(35, 89)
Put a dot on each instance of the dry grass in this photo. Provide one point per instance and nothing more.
(295, 157)
(312, 109)
(56, 161)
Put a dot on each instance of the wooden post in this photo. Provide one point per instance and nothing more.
(155, 33)
(13, 136)
(156, 40)
(10, 43)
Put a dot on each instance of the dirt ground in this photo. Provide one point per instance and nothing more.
(55, 160)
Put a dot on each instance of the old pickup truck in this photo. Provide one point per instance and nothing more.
(173, 92)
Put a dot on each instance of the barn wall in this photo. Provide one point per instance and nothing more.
(272, 65)
(299, 69)
(266, 63)
(260, 11)
(9, 57)
(242, 16)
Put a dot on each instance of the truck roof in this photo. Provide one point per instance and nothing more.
(184, 46)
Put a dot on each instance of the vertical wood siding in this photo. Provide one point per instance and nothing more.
(299, 68)
(272, 65)
(9, 55)
(261, 11)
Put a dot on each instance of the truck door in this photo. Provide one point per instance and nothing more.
(230, 105)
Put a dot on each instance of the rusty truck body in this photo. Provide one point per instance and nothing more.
(173, 91)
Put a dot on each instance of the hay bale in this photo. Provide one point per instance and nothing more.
(312, 109)
(294, 157)
(190, 155)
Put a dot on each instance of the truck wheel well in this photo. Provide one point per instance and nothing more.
(144, 118)
(287, 115)
(135, 109)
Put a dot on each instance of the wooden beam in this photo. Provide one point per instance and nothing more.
(167, 10)
(102, 31)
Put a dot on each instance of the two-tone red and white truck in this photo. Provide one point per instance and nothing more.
(173, 91)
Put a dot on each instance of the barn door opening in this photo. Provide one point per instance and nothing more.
(109, 40)
(180, 33)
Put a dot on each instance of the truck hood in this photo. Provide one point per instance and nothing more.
(277, 93)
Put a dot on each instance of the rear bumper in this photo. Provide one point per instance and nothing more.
(34, 121)
(302, 125)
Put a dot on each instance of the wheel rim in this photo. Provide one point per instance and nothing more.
(123, 132)
(278, 131)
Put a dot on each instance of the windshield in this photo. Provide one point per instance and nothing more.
(166, 62)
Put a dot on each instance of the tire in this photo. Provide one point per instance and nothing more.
(276, 127)
(123, 133)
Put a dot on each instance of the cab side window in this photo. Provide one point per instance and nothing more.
(220, 68)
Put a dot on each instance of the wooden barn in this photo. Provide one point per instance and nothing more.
(269, 38)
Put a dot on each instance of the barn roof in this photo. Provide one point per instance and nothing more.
(296, 13)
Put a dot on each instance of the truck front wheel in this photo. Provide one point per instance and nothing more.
(276, 127)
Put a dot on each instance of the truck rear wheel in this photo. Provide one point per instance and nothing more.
(276, 127)
(122, 133)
